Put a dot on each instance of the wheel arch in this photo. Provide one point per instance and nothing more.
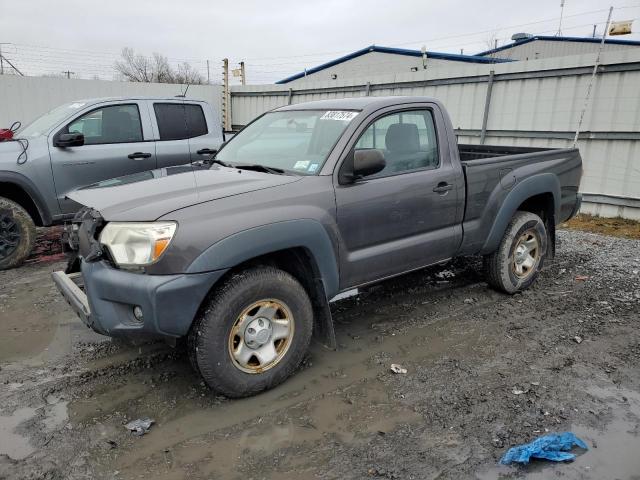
(539, 194)
(21, 190)
(302, 248)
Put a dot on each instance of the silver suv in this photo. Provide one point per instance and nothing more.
(87, 141)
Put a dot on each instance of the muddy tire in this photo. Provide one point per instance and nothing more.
(252, 333)
(516, 263)
(17, 234)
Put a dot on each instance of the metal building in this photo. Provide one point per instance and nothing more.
(375, 60)
(532, 47)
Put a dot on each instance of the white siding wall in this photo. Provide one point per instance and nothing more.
(26, 98)
(373, 63)
(548, 49)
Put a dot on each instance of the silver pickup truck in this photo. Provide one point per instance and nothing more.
(87, 141)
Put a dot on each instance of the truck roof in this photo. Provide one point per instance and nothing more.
(357, 103)
(91, 101)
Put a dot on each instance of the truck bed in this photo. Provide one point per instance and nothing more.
(470, 152)
(488, 167)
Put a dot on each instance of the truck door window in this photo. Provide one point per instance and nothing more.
(112, 124)
(407, 139)
(178, 121)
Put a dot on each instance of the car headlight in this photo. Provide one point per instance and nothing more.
(137, 244)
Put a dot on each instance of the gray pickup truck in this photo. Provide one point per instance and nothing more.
(85, 141)
(241, 256)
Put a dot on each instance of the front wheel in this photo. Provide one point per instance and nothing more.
(253, 332)
(17, 234)
(516, 263)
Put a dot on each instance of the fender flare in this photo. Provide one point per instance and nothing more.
(30, 189)
(254, 242)
(536, 185)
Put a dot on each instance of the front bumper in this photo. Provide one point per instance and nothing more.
(168, 303)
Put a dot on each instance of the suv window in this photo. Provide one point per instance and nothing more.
(112, 124)
(408, 140)
(177, 121)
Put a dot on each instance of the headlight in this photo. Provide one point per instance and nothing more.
(137, 244)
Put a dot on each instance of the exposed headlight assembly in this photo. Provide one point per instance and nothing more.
(137, 244)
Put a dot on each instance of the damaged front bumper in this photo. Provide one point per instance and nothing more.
(117, 302)
(70, 286)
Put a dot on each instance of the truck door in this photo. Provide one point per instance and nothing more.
(117, 141)
(404, 217)
(170, 122)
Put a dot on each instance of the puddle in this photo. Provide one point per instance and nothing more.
(13, 444)
(613, 453)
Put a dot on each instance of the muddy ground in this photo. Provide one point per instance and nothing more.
(485, 371)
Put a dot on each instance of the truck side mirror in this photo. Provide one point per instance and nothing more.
(69, 140)
(362, 163)
(368, 162)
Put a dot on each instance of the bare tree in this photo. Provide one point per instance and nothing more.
(491, 40)
(138, 68)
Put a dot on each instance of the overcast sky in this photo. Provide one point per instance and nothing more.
(276, 38)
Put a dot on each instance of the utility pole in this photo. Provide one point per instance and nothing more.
(1, 61)
(208, 80)
(593, 35)
(68, 73)
(495, 44)
(424, 57)
(226, 97)
(559, 34)
(243, 78)
(593, 76)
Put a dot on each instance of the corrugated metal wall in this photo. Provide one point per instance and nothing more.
(537, 102)
(26, 98)
(554, 48)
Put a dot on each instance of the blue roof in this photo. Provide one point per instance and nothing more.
(397, 51)
(559, 39)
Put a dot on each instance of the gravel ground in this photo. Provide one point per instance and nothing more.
(485, 371)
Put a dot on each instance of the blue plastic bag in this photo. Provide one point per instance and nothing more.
(554, 447)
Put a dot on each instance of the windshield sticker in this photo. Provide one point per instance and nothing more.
(339, 115)
(76, 105)
(313, 167)
(301, 165)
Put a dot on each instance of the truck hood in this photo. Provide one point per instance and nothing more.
(146, 196)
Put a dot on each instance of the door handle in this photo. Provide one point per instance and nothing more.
(206, 151)
(442, 188)
(139, 155)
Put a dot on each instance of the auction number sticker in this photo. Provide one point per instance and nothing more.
(341, 115)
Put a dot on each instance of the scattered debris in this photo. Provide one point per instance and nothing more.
(554, 447)
(581, 278)
(577, 339)
(140, 426)
(517, 391)
(395, 368)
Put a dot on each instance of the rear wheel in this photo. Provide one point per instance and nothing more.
(17, 234)
(253, 333)
(516, 263)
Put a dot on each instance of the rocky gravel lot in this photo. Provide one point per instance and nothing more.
(485, 371)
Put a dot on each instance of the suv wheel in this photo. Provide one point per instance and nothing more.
(516, 263)
(17, 234)
(252, 333)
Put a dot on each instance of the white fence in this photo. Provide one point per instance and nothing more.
(532, 103)
(26, 98)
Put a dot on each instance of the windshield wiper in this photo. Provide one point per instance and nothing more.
(217, 162)
(256, 167)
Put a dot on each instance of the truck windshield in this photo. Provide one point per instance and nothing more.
(294, 141)
(42, 125)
